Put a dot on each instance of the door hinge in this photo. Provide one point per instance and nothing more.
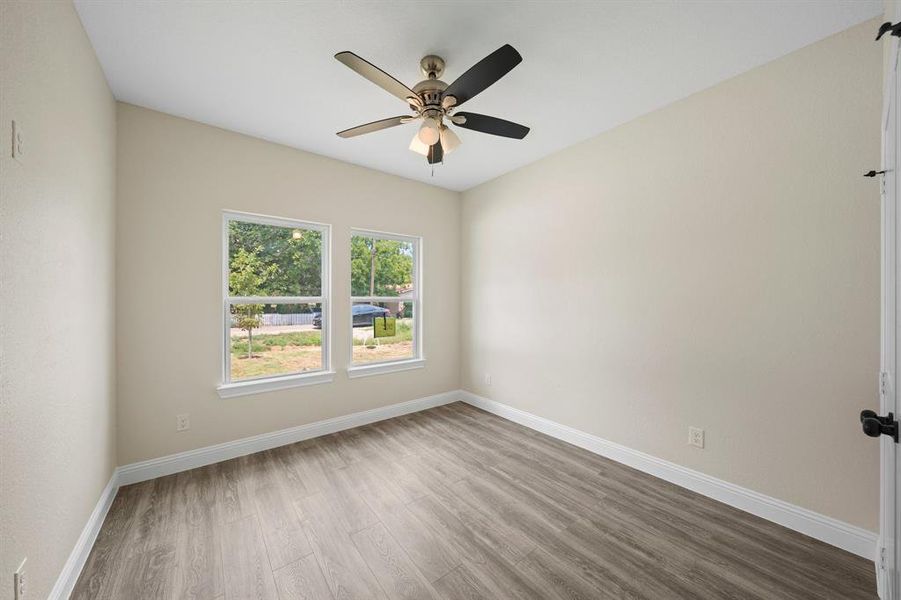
(884, 384)
(887, 27)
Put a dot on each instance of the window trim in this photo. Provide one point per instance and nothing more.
(247, 387)
(404, 364)
(228, 388)
(385, 366)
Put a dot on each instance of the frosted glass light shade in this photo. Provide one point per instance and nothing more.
(449, 140)
(428, 133)
(418, 147)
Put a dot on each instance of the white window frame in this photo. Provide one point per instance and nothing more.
(405, 364)
(228, 388)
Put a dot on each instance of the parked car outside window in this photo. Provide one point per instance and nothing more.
(363, 315)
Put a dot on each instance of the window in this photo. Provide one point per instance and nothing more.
(385, 302)
(275, 288)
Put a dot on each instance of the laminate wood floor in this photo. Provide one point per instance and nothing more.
(450, 503)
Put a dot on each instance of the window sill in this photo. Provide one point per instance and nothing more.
(244, 388)
(382, 368)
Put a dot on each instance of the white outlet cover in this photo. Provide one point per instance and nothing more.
(696, 437)
(182, 422)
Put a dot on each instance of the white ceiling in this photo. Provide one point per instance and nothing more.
(267, 68)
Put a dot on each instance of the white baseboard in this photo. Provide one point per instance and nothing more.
(79, 555)
(183, 461)
(826, 529)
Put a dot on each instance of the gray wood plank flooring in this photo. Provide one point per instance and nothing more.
(450, 503)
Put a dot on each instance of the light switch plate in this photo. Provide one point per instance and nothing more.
(19, 582)
(18, 145)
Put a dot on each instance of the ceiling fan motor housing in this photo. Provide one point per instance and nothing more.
(430, 90)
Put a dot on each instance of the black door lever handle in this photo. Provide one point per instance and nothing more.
(873, 425)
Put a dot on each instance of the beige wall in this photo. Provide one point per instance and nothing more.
(714, 263)
(57, 441)
(174, 179)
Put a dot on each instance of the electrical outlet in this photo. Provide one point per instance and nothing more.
(696, 437)
(18, 145)
(182, 422)
(19, 582)
(487, 379)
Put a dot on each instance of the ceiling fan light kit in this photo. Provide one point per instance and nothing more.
(434, 102)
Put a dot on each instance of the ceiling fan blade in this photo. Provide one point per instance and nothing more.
(376, 75)
(374, 126)
(436, 153)
(483, 74)
(492, 125)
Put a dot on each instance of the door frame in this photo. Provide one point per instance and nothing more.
(888, 551)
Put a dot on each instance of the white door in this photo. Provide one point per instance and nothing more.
(890, 538)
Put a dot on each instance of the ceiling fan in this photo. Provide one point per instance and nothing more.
(434, 101)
